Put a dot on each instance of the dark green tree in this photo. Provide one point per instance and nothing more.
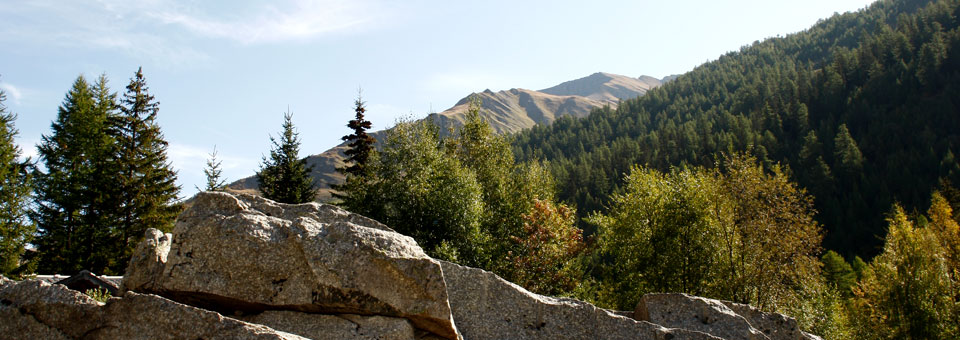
(361, 144)
(16, 231)
(846, 151)
(146, 183)
(74, 229)
(215, 182)
(360, 147)
(284, 177)
(838, 272)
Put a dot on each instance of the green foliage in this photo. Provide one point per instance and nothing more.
(16, 183)
(663, 234)
(72, 196)
(213, 173)
(464, 199)
(838, 273)
(860, 105)
(99, 294)
(907, 291)
(742, 235)
(284, 177)
(414, 187)
(107, 179)
(143, 180)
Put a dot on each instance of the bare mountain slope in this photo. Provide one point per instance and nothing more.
(605, 87)
(507, 112)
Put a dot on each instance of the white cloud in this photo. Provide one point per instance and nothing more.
(13, 93)
(167, 30)
(296, 20)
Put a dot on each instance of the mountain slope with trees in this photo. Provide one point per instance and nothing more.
(862, 107)
(506, 111)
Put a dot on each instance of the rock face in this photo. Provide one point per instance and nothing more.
(247, 254)
(345, 326)
(38, 310)
(723, 319)
(242, 267)
(488, 307)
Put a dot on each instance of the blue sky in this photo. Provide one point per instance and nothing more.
(225, 71)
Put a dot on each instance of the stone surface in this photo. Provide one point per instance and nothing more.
(343, 326)
(695, 313)
(68, 311)
(145, 316)
(15, 325)
(773, 325)
(38, 310)
(246, 254)
(148, 260)
(488, 307)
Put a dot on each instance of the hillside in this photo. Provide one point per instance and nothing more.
(507, 111)
(862, 107)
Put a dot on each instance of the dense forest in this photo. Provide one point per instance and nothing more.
(862, 108)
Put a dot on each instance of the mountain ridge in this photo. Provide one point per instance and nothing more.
(507, 111)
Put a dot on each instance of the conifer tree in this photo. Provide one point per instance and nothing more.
(15, 188)
(72, 225)
(147, 190)
(846, 151)
(358, 156)
(213, 173)
(284, 177)
(361, 144)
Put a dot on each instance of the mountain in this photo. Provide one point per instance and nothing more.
(862, 107)
(507, 111)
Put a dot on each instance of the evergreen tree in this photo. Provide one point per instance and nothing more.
(16, 231)
(358, 156)
(846, 151)
(147, 190)
(361, 144)
(70, 197)
(284, 177)
(213, 173)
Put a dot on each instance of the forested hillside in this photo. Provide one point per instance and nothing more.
(862, 107)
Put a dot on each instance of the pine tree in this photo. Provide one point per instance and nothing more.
(284, 177)
(213, 173)
(361, 144)
(16, 231)
(147, 185)
(358, 156)
(846, 151)
(70, 196)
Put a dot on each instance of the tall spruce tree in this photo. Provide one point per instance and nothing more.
(74, 229)
(361, 144)
(284, 177)
(215, 181)
(147, 185)
(358, 155)
(16, 231)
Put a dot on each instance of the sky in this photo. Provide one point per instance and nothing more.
(224, 72)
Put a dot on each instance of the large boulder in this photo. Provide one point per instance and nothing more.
(148, 261)
(38, 310)
(724, 319)
(773, 325)
(488, 307)
(342, 326)
(242, 254)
